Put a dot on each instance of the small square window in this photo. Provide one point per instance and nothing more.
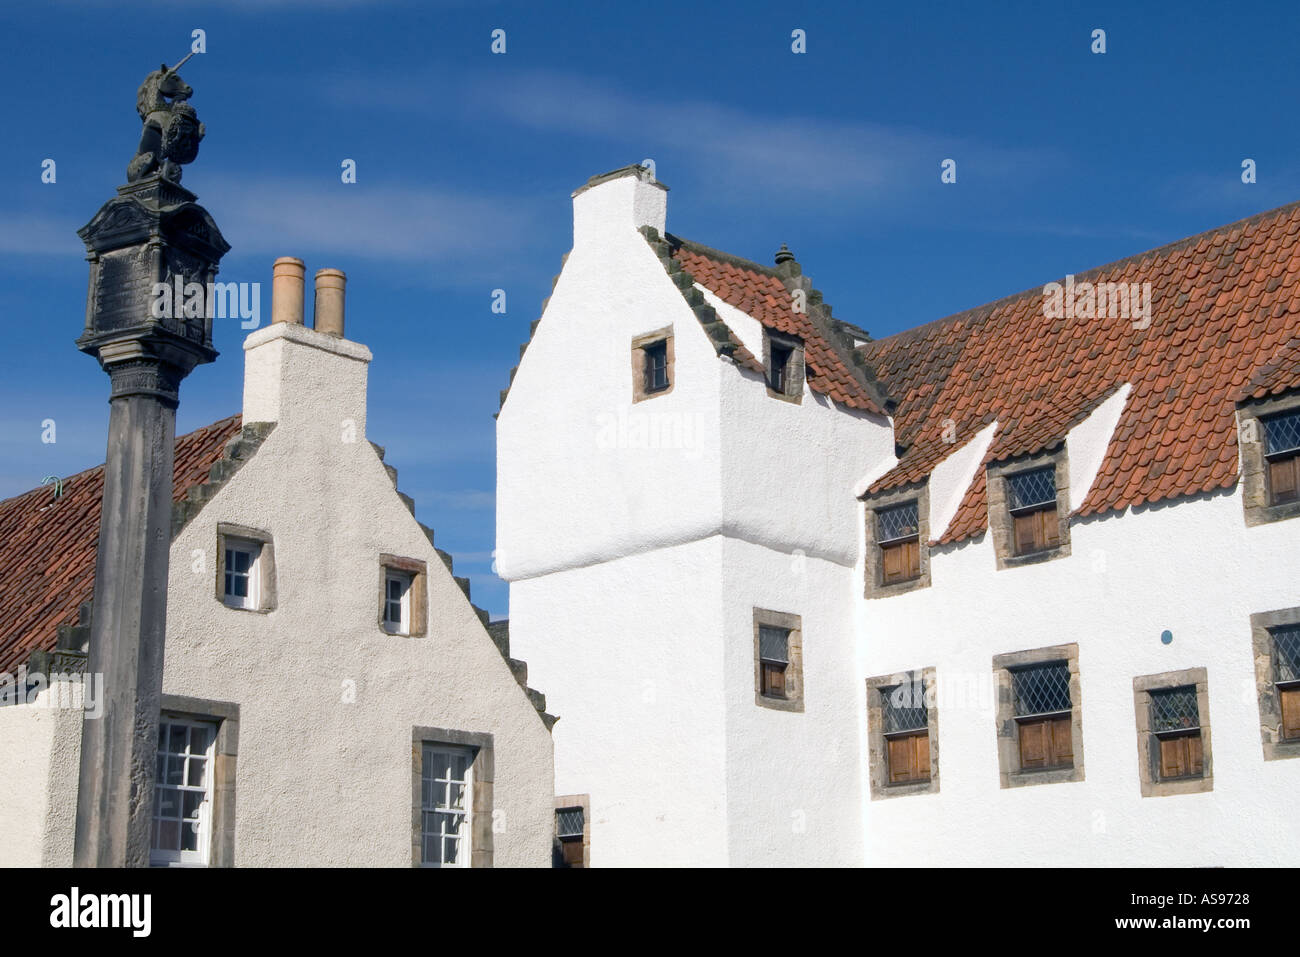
(1031, 499)
(902, 728)
(1173, 732)
(402, 596)
(778, 660)
(1039, 716)
(241, 573)
(652, 364)
(783, 360)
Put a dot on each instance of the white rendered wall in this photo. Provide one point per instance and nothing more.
(794, 779)
(1192, 568)
(40, 753)
(631, 654)
(631, 564)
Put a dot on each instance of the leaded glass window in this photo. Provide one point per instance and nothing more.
(1174, 709)
(898, 522)
(656, 366)
(1032, 489)
(1286, 653)
(1282, 433)
(904, 708)
(569, 822)
(1041, 689)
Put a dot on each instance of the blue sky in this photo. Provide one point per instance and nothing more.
(466, 160)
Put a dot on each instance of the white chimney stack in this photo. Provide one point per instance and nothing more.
(618, 202)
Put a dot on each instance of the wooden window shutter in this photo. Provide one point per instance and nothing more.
(909, 758)
(912, 558)
(1033, 744)
(1290, 700)
(1282, 480)
(774, 680)
(1062, 751)
(892, 559)
(1173, 756)
(1050, 528)
(1026, 533)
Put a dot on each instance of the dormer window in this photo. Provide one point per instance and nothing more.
(898, 538)
(897, 532)
(1031, 498)
(784, 365)
(1282, 453)
(779, 376)
(652, 364)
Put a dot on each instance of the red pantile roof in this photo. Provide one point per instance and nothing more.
(761, 294)
(1225, 312)
(47, 547)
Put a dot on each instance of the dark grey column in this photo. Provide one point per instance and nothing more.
(115, 796)
(153, 251)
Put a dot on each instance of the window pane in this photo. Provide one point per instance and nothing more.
(773, 644)
(903, 708)
(169, 835)
(1281, 433)
(569, 822)
(897, 522)
(196, 775)
(1286, 652)
(1174, 709)
(1042, 689)
(1027, 489)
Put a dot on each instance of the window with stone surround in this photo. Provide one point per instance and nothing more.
(1029, 508)
(194, 785)
(783, 360)
(453, 783)
(572, 831)
(1039, 716)
(1275, 638)
(1173, 725)
(903, 732)
(778, 660)
(652, 364)
(403, 596)
(245, 568)
(1269, 437)
(899, 541)
(897, 531)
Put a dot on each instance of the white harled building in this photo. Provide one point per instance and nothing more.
(1016, 587)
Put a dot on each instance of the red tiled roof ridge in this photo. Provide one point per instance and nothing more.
(1085, 275)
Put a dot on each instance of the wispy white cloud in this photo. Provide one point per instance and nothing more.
(416, 224)
(25, 233)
